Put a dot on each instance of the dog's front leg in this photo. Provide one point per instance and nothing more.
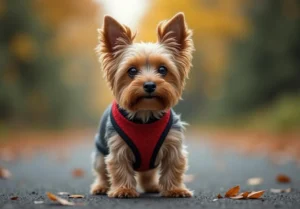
(173, 166)
(120, 170)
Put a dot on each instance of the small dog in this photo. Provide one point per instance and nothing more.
(141, 137)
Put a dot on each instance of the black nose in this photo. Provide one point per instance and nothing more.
(149, 87)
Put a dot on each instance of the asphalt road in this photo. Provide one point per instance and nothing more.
(214, 172)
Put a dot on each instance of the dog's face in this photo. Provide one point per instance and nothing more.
(146, 76)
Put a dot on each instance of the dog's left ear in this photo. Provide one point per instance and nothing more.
(174, 33)
(114, 36)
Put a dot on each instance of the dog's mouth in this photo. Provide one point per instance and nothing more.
(148, 102)
(148, 98)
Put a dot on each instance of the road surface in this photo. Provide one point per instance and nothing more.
(215, 171)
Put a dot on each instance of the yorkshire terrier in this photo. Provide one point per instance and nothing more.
(140, 138)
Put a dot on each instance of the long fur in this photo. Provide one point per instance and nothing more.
(117, 53)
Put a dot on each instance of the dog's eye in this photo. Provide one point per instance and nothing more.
(132, 72)
(162, 70)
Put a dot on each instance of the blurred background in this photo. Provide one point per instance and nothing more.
(246, 72)
(242, 99)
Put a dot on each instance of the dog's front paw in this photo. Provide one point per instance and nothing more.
(123, 193)
(98, 189)
(178, 192)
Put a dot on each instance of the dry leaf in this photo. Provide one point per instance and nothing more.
(233, 191)
(14, 198)
(188, 178)
(238, 197)
(254, 181)
(281, 178)
(245, 194)
(256, 195)
(58, 199)
(219, 196)
(76, 196)
(37, 202)
(63, 193)
(288, 190)
(4, 173)
(78, 172)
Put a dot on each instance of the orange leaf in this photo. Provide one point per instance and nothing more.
(238, 197)
(78, 172)
(219, 196)
(245, 194)
(256, 195)
(76, 196)
(281, 178)
(233, 191)
(4, 173)
(58, 199)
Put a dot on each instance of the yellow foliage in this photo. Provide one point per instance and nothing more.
(10, 74)
(37, 103)
(75, 25)
(2, 8)
(214, 24)
(23, 46)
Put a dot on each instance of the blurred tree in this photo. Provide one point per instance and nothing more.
(265, 67)
(215, 24)
(42, 80)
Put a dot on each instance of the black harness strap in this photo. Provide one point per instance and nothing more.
(128, 141)
(161, 141)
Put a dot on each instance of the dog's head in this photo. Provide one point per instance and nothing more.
(146, 76)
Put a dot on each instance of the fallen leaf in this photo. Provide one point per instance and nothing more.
(238, 197)
(219, 196)
(14, 198)
(254, 181)
(233, 191)
(37, 202)
(288, 190)
(76, 196)
(256, 195)
(281, 178)
(63, 193)
(4, 173)
(245, 194)
(58, 199)
(78, 172)
(188, 178)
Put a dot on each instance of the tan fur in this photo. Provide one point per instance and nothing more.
(148, 181)
(118, 53)
(101, 183)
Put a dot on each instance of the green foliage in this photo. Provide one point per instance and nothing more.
(282, 115)
(31, 87)
(265, 67)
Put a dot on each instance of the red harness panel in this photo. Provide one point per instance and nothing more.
(143, 139)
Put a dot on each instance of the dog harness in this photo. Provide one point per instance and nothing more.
(144, 139)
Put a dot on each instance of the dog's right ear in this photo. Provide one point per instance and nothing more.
(114, 36)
